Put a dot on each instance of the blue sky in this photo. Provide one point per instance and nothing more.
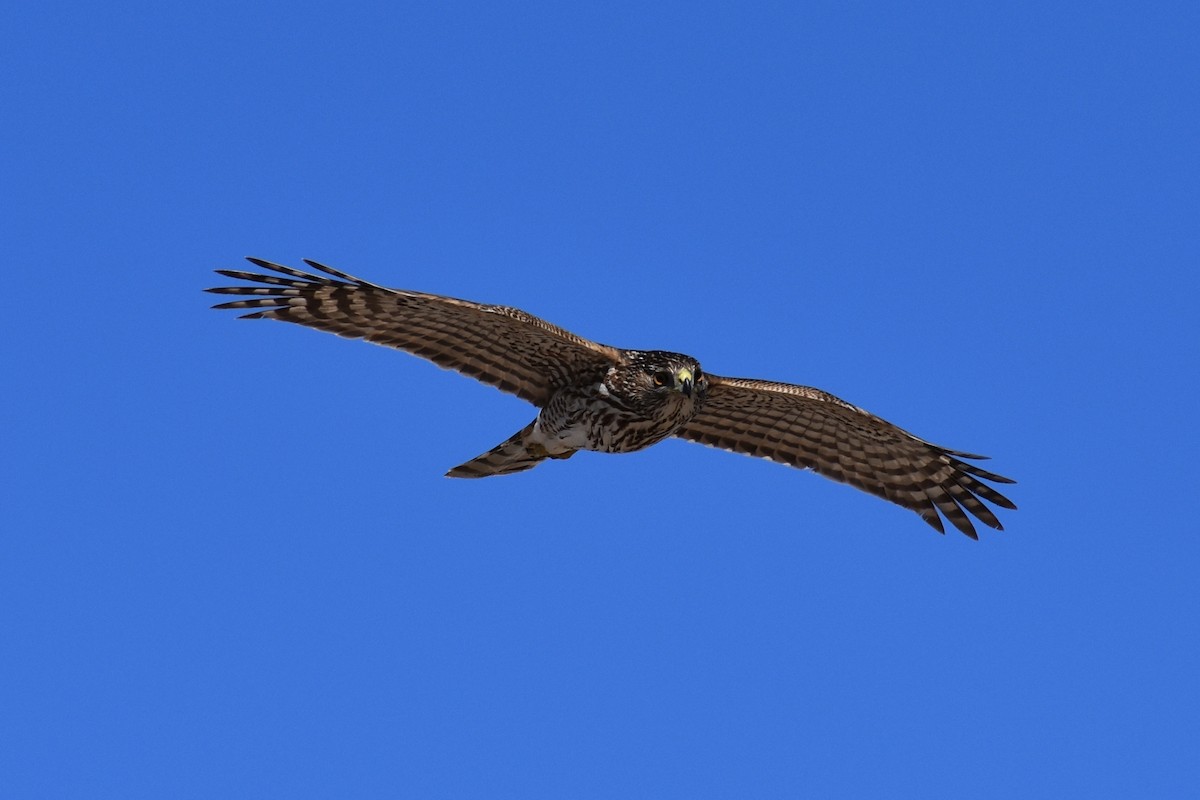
(231, 565)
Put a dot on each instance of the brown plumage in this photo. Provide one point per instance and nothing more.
(603, 398)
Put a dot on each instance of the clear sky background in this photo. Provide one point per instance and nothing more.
(230, 563)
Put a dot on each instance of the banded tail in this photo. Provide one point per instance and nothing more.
(516, 454)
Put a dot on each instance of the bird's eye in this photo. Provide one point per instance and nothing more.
(663, 378)
(697, 374)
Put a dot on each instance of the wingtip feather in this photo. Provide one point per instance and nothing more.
(337, 273)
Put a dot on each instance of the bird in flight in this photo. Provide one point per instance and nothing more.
(596, 397)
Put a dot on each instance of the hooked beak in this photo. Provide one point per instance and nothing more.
(684, 381)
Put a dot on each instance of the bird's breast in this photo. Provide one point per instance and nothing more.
(591, 419)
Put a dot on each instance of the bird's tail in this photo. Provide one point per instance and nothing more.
(516, 454)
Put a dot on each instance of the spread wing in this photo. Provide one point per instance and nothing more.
(807, 428)
(505, 347)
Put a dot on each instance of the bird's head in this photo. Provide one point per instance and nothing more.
(654, 381)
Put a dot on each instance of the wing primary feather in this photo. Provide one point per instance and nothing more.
(280, 268)
(290, 291)
(238, 274)
(972, 504)
(956, 453)
(342, 275)
(982, 473)
(947, 504)
(987, 492)
(266, 302)
(930, 515)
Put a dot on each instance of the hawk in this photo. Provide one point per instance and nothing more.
(596, 397)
